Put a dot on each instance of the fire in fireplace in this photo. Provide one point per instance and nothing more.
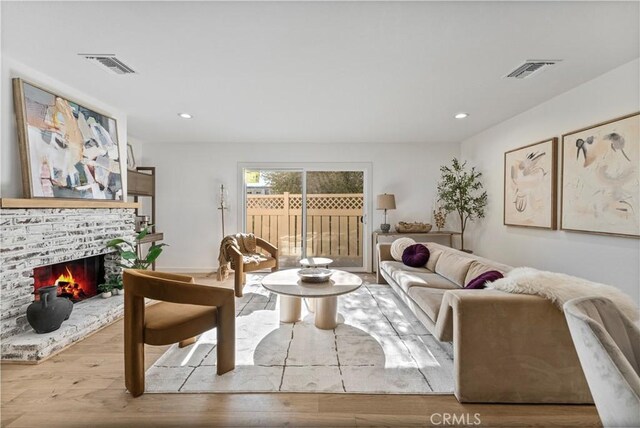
(78, 279)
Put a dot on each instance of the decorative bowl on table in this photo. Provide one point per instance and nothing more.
(315, 275)
(405, 227)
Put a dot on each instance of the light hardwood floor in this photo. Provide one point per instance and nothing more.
(83, 386)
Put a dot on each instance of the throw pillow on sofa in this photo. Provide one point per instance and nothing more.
(398, 246)
(415, 255)
(479, 281)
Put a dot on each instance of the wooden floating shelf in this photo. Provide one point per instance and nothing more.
(64, 203)
(152, 237)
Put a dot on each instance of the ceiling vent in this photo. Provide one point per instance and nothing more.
(531, 67)
(109, 61)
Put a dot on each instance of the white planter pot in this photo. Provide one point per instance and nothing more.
(106, 295)
(120, 292)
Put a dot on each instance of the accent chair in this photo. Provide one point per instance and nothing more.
(241, 267)
(185, 310)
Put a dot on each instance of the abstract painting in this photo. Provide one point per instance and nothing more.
(530, 185)
(600, 180)
(67, 150)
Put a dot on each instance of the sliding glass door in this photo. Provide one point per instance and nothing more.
(273, 210)
(310, 210)
(335, 212)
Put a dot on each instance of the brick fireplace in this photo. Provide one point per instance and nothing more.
(41, 245)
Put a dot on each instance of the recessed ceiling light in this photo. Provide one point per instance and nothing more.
(185, 115)
(461, 115)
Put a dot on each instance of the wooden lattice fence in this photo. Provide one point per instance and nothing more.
(334, 223)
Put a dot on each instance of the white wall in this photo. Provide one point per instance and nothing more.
(10, 172)
(606, 259)
(189, 175)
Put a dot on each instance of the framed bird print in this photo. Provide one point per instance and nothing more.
(600, 178)
(530, 185)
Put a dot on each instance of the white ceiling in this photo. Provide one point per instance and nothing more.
(320, 72)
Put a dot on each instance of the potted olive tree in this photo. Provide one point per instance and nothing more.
(460, 191)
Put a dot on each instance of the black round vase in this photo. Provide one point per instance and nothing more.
(47, 315)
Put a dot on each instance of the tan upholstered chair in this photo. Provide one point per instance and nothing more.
(240, 268)
(608, 345)
(185, 310)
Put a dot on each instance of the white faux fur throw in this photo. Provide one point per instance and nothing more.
(560, 288)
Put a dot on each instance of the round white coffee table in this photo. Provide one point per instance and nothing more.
(291, 289)
(316, 262)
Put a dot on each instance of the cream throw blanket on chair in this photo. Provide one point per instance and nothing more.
(243, 242)
(560, 288)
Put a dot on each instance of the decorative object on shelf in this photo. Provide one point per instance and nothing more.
(106, 290)
(530, 185)
(315, 275)
(142, 222)
(131, 253)
(386, 202)
(223, 198)
(460, 191)
(416, 227)
(47, 314)
(131, 159)
(600, 178)
(66, 150)
(440, 218)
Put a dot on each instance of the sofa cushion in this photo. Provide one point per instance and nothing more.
(478, 283)
(398, 246)
(428, 299)
(406, 280)
(453, 266)
(477, 268)
(392, 268)
(415, 255)
(434, 255)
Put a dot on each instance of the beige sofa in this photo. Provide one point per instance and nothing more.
(508, 348)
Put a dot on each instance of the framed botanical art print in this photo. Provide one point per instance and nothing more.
(530, 185)
(66, 150)
(600, 178)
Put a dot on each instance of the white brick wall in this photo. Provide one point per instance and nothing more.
(30, 238)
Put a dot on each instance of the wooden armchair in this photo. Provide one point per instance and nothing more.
(240, 268)
(186, 310)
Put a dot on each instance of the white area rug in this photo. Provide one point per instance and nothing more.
(379, 347)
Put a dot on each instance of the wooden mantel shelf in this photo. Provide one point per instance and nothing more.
(64, 203)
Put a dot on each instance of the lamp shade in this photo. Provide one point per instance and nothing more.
(386, 202)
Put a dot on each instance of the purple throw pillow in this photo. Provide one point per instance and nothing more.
(479, 281)
(415, 255)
